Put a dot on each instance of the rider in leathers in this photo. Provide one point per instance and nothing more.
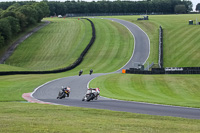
(63, 90)
(95, 91)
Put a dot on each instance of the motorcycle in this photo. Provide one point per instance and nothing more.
(91, 94)
(63, 94)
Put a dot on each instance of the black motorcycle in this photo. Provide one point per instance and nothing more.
(90, 95)
(63, 94)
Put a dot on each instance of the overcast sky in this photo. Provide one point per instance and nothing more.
(193, 1)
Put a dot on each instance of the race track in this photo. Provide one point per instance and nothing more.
(48, 92)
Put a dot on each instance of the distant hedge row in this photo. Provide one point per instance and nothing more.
(160, 60)
(75, 64)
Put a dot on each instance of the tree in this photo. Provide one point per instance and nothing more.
(1, 40)
(180, 9)
(22, 20)
(5, 28)
(45, 8)
(198, 7)
(6, 13)
(15, 26)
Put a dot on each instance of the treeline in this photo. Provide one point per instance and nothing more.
(15, 17)
(198, 7)
(150, 6)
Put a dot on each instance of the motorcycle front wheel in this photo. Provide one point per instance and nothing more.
(90, 97)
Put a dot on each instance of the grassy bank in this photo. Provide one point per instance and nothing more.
(57, 45)
(116, 49)
(111, 51)
(181, 90)
(113, 47)
(52, 47)
(15, 38)
(181, 40)
(23, 117)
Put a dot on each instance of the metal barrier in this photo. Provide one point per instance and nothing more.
(160, 60)
(171, 70)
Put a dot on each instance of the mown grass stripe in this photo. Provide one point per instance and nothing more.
(58, 48)
(181, 90)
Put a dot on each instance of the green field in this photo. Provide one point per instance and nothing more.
(31, 118)
(111, 51)
(181, 40)
(115, 42)
(55, 46)
(15, 38)
(180, 90)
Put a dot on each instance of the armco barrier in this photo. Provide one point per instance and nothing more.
(173, 70)
(75, 64)
(160, 59)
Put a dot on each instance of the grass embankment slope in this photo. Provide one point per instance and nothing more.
(48, 118)
(15, 38)
(23, 117)
(96, 59)
(182, 90)
(55, 46)
(38, 118)
(181, 40)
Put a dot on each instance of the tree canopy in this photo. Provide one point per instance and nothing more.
(198, 7)
(150, 6)
(15, 17)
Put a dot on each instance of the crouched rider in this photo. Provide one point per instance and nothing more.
(95, 91)
(65, 90)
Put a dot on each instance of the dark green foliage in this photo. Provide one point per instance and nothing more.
(15, 26)
(7, 13)
(198, 7)
(17, 16)
(1, 41)
(180, 9)
(150, 6)
(5, 28)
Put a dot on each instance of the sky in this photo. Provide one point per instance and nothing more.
(195, 2)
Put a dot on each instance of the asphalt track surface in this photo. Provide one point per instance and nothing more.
(79, 84)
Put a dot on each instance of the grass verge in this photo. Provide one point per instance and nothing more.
(57, 45)
(181, 40)
(23, 117)
(180, 90)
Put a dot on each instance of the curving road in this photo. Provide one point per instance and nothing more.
(48, 92)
